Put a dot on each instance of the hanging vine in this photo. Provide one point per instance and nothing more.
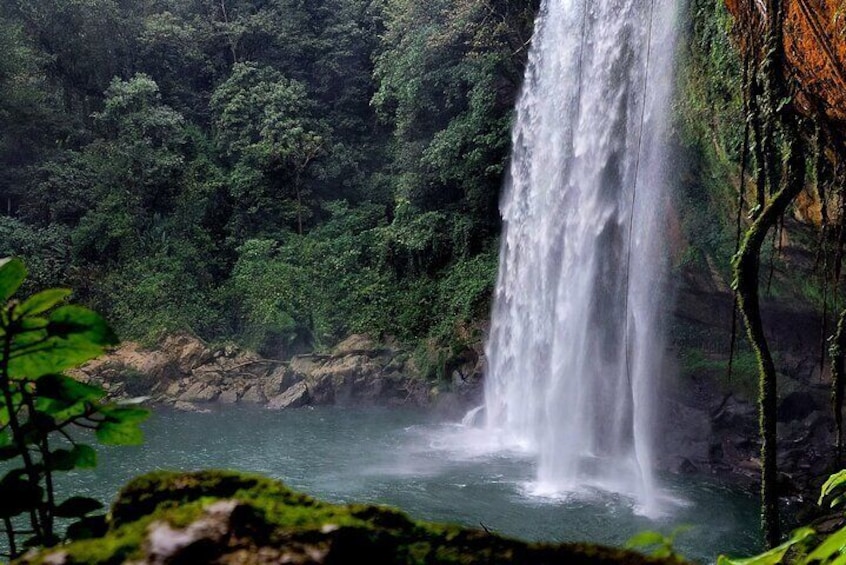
(775, 127)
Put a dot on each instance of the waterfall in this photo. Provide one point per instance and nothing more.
(576, 340)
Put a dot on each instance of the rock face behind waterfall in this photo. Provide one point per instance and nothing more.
(185, 372)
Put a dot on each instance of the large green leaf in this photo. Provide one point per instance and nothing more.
(12, 275)
(62, 387)
(73, 320)
(43, 301)
(72, 336)
(832, 547)
(77, 507)
(53, 356)
(119, 433)
(125, 414)
(80, 457)
(773, 556)
(89, 527)
(18, 494)
(834, 482)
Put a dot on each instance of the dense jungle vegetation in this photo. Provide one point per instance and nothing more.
(279, 172)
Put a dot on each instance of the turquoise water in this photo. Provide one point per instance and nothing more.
(431, 470)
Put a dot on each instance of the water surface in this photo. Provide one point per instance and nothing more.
(431, 470)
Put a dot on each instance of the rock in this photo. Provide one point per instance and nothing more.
(183, 406)
(279, 381)
(228, 396)
(188, 351)
(356, 344)
(254, 395)
(200, 392)
(307, 364)
(173, 390)
(685, 467)
(796, 406)
(294, 397)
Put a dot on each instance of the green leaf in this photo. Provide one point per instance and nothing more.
(18, 494)
(645, 539)
(119, 433)
(53, 356)
(833, 546)
(125, 414)
(76, 320)
(12, 275)
(62, 387)
(5, 439)
(72, 336)
(834, 482)
(773, 556)
(77, 507)
(86, 456)
(8, 452)
(43, 301)
(80, 457)
(89, 527)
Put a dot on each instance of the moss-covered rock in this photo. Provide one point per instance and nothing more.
(226, 517)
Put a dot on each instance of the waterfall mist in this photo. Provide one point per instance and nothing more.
(583, 262)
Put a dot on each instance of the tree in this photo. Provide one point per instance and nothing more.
(264, 126)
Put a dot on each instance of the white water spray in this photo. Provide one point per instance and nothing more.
(577, 336)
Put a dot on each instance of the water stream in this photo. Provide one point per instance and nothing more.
(576, 341)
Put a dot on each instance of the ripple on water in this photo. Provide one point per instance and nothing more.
(432, 470)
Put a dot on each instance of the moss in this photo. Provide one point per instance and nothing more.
(279, 524)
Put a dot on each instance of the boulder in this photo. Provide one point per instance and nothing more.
(797, 406)
(295, 397)
(356, 344)
(254, 395)
(279, 381)
(183, 406)
(228, 396)
(200, 392)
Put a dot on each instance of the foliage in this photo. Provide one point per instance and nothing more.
(656, 543)
(805, 546)
(179, 162)
(41, 338)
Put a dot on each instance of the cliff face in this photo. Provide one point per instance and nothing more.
(815, 49)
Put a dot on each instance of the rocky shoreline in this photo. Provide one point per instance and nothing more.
(184, 372)
(705, 430)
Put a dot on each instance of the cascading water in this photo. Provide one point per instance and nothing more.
(576, 338)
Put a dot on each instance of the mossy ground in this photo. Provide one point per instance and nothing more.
(273, 524)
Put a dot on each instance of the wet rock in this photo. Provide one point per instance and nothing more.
(797, 406)
(183, 406)
(279, 381)
(228, 396)
(254, 395)
(200, 392)
(294, 397)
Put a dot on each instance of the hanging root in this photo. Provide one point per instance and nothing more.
(741, 197)
(837, 351)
